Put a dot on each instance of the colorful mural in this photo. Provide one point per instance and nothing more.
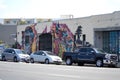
(62, 38)
(29, 37)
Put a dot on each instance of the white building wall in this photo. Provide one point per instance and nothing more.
(88, 24)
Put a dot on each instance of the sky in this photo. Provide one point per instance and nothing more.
(56, 8)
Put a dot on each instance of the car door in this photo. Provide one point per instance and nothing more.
(42, 57)
(11, 54)
(6, 53)
(82, 54)
(39, 54)
(36, 56)
(90, 54)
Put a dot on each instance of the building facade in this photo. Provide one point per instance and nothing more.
(8, 34)
(18, 21)
(23, 21)
(102, 31)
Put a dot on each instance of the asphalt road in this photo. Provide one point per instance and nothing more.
(28, 71)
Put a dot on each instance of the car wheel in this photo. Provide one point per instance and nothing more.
(15, 59)
(27, 61)
(3, 58)
(47, 61)
(99, 63)
(68, 61)
(32, 60)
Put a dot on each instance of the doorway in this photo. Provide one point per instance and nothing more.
(45, 42)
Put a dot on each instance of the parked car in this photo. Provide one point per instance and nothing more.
(1, 50)
(89, 55)
(0, 57)
(45, 57)
(15, 55)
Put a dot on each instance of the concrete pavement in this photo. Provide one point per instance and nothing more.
(28, 71)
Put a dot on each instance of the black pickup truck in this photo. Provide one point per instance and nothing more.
(89, 55)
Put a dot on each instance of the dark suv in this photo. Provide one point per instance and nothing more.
(89, 55)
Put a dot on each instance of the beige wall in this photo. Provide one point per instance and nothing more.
(88, 24)
(6, 32)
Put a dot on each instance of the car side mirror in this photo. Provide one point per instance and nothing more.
(13, 52)
(92, 52)
(43, 54)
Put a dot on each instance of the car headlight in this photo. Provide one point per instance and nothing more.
(113, 57)
(107, 56)
(56, 59)
(23, 56)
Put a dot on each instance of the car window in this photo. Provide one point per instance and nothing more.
(18, 51)
(38, 53)
(89, 50)
(83, 50)
(49, 53)
(100, 51)
(42, 53)
(12, 51)
(24, 52)
(6, 50)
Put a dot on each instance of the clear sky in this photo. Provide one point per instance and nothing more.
(56, 8)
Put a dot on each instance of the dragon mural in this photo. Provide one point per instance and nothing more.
(62, 38)
(29, 38)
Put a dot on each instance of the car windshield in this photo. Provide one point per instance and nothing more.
(49, 53)
(19, 51)
(24, 52)
(100, 51)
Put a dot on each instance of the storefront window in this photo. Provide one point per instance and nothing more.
(111, 41)
(119, 42)
(106, 41)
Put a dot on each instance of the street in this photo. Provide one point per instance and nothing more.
(37, 71)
